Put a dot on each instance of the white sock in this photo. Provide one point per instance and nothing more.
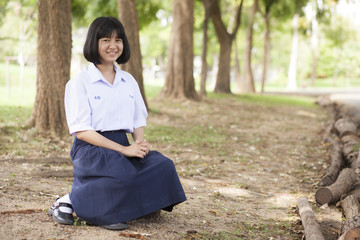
(65, 199)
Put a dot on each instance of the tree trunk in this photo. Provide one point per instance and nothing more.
(344, 183)
(314, 46)
(311, 226)
(204, 65)
(223, 75)
(53, 65)
(179, 80)
(128, 17)
(237, 68)
(267, 47)
(225, 39)
(247, 83)
(293, 57)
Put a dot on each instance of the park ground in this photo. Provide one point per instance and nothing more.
(243, 162)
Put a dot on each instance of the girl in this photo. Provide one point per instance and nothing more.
(114, 181)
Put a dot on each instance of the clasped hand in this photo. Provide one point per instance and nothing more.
(138, 149)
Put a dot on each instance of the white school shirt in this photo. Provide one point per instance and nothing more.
(92, 103)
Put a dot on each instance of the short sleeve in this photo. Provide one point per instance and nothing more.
(140, 111)
(77, 108)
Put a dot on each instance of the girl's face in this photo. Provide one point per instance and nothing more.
(110, 48)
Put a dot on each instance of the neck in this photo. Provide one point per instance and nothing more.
(108, 71)
(106, 68)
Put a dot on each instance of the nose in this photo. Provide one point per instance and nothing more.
(112, 43)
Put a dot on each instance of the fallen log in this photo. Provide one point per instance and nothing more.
(355, 191)
(351, 145)
(350, 228)
(344, 126)
(343, 184)
(337, 163)
(311, 226)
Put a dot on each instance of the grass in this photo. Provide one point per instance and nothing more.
(14, 94)
(268, 100)
(9, 115)
(196, 135)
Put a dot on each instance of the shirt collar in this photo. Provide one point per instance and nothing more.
(95, 74)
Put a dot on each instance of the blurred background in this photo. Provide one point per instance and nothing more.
(314, 44)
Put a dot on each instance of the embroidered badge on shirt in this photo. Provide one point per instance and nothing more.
(122, 79)
(97, 97)
(131, 96)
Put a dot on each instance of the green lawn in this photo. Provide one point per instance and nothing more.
(13, 94)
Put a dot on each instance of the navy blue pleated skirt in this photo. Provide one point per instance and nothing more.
(110, 188)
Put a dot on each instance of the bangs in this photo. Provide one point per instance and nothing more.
(109, 29)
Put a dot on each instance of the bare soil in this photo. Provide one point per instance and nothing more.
(241, 185)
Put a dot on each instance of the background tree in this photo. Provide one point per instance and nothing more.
(296, 9)
(128, 16)
(266, 14)
(204, 65)
(247, 82)
(225, 40)
(339, 33)
(53, 65)
(179, 80)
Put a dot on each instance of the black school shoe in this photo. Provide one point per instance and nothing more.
(116, 226)
(61, 217)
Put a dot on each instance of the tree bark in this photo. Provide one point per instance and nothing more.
(204, 65)
(237, 67)
(267, 48)
(225, 39)
(343, 184)
(337, 163)
(345, 126)
(351, 144)
(53, 65)
(128, 17)
(247, 82)
(350, 228)
(179, 80)
(311, 226)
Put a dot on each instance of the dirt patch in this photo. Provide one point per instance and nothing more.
(242, 165)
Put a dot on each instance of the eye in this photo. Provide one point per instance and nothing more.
(105, 39)
(119, 40)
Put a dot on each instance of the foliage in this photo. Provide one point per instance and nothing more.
(3, 10)
(19, 32)
(287, 8)
(339, 31)
(84, 11)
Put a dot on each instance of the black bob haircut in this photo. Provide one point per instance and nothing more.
(105, 27)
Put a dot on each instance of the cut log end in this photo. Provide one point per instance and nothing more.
(352, 234)
(323, 196)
